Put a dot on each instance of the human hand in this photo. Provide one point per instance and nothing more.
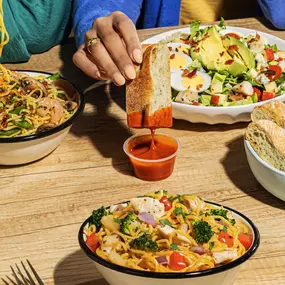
(110, 48)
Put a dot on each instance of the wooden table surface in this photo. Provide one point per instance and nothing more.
(43, 204)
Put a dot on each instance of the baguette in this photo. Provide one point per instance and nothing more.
(268, 140)
(273, 111)
(148, 96)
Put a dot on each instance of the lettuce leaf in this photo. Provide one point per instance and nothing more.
(194, 28)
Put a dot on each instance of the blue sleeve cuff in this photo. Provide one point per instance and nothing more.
(274, 11)
(86, 11)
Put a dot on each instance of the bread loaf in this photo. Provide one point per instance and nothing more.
(148, 96)
(268, 140)
(273, 111)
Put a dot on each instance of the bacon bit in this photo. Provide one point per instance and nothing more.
(252, 41)
(262, 68)
(233, 47)
(172, 56)
(180, 66)
(176, 49)
(269, 72)
(196, 104)
(279, 59)
(236, 97)
(223, 37)
(185, 52)
(197, 49)
(187, 73)
(229, 62)
(186, 41)
(170, 48)
(199, 86)
(222, 53)
(257, 36)
(192, 73)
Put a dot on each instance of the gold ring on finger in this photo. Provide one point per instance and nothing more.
(90, 42)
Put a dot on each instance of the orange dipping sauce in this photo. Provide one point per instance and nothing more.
(152, 160)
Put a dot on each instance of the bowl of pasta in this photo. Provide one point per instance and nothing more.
(159, 237)
(37, 110)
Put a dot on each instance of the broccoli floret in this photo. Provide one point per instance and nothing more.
(202, 231)
(145, 243)
(97, 217)
(130, 224)
(223, 213)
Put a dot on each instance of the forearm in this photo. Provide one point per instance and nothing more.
(86, 11)
(274, 11)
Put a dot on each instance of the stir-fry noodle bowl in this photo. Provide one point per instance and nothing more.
(37, 110)
(159, 237)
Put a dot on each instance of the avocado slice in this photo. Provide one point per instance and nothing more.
(236, 48)
(213, 55)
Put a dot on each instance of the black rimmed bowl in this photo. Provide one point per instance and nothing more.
(221, 275)
(25, 149)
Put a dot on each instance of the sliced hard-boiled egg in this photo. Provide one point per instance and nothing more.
(179, 61)
(179, 47)
(195, 81)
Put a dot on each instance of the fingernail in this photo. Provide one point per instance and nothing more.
(130, 71)
(118, 79)
(97, 74)
(137, 54)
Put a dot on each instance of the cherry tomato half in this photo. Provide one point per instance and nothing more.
(278, 72)
(258, 93)
(234, 35)
(246, 240)
(226, 238)
(167, 203)
(269, 54)
(267, 96)
(93, 242)
(177, 261)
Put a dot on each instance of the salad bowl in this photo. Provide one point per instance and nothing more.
(226, 113)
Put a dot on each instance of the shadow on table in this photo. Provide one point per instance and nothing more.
(77, 268)
(103, 128)
(237, 168)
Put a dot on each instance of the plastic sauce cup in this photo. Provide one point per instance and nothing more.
(152, 169)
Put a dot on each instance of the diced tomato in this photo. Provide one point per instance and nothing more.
(258, 93)
(167, 203)
(177, 261)
(269, 54)
(196, 104)
(267, 96)
(279, 59)
(234, 35)
(278, 72)
(226, 238)
(246, 240)
(215, 100)
(93, 242)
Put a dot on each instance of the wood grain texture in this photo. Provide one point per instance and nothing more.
(43, 204)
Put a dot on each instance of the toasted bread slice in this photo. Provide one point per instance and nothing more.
(268, 140)
(273, 111)
(148, 96)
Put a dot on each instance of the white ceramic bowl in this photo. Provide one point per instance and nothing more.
(25, 149)
(272, 179)
(216, 115)
(221, 275)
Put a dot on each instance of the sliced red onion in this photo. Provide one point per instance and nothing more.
(147, 218)
(162, 259)
(198, 249)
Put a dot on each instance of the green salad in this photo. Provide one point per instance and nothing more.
(213, 66)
